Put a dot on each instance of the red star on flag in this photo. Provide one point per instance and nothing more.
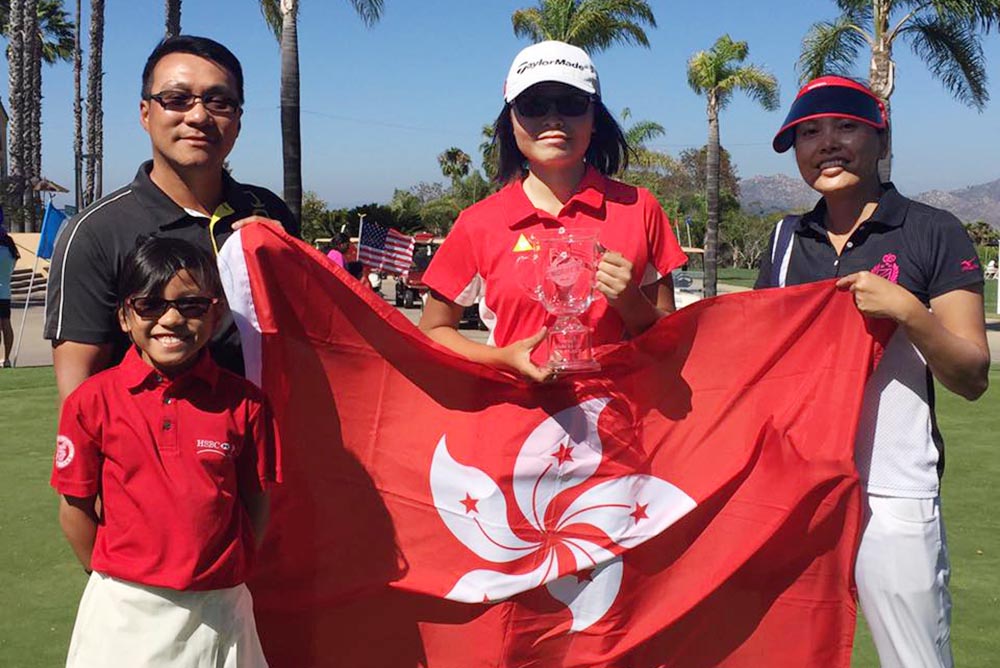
(565, 453)
(470, 504)
(640, 512)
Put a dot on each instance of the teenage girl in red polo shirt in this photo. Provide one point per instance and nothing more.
(179, 452)
(557, 144)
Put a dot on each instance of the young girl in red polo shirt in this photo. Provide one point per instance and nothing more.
(179, 452)
(557, 144)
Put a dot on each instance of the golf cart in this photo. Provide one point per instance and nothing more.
(689, 280)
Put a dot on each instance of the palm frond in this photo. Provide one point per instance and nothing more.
(642, 132)
(528, 23)
(759, 85)
(830, 47)
(56, 32)
(271, 10)
(701, 72)
(980, 14)
(369, 11)
(954, 54)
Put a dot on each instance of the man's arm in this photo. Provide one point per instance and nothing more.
(75, 362)
(78, 520)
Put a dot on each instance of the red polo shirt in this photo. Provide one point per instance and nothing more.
(170, 459)
(477, 259)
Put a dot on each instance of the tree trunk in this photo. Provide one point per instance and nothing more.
(291, 140)
(712, 200)
(33, 222)
(77, 112)
(95, 111)
(882, 74)
(15, 70)
(173, 12)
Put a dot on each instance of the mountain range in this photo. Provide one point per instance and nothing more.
(780, 192)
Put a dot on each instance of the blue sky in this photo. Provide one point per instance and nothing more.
(379, 104)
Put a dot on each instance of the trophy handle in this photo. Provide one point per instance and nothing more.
(526, 272)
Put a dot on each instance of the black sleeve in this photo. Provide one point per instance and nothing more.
(81, 299)
(953, 262)
(279, 211)
(764, 271)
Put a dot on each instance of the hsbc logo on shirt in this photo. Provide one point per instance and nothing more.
(204, 445)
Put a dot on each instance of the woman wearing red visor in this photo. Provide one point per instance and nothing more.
(914, 264)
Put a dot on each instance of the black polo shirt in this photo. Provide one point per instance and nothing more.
(923, 249)
(899, 450)
(89, 254)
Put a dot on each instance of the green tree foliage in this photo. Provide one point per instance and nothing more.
(593, 25)
(982, 233)
(454, 164)
(717, 74)
(945, 34)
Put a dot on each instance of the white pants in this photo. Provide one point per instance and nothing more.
(126, 625)
(902, 573)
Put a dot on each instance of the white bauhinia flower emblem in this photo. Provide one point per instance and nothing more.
(563, 452)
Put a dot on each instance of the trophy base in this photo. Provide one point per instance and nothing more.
(575, 366)
(569, 347)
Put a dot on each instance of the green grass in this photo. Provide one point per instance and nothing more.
(990, 298)
(736, 276)
(41, 581)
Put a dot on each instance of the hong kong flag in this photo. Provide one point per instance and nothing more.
(694, 503)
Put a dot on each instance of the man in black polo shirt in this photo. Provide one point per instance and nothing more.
(192, 98)
(915, 265)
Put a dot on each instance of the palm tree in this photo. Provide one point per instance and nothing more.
(488, 149)
(945, 34)
(14, 25)
(172, 10)
(717, 74)
(95, 101)
(638, 135)
(77, 110)
(282, 17)
(592, 25)
(454, 164)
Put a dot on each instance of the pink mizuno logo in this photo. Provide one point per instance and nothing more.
(970, 265)
(887, 268)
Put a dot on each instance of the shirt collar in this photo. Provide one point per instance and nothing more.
(136, 373)
(891, 211)
(166, 212)
(589, 194)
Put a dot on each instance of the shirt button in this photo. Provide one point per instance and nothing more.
(850, 244)
(158, 378)
(168, 400)
(167, 425)
(836, 263)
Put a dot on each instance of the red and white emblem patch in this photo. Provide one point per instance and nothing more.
(64, 451)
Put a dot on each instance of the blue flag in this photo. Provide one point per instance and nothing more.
(51, 223)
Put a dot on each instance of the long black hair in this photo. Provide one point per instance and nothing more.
(155, 261)
(608, 151)
(8, 241)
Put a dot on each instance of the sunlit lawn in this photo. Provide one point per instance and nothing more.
(41, 582)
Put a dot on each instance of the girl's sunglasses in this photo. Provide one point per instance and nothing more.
(536, 106)
(151, 308)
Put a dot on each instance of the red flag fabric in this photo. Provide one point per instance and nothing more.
(694, 503)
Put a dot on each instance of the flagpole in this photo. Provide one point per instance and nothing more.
(24, 315)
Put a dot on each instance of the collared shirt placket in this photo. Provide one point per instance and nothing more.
(167, 440)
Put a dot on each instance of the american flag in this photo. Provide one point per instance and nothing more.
(385, 248)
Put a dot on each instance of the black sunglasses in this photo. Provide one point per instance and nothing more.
(151, 308)
(536, 106)
(215, 103)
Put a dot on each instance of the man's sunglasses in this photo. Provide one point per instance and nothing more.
(215, 103)
(151, 308)
(536, 106)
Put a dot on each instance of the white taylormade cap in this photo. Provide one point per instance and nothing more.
(551, 61)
